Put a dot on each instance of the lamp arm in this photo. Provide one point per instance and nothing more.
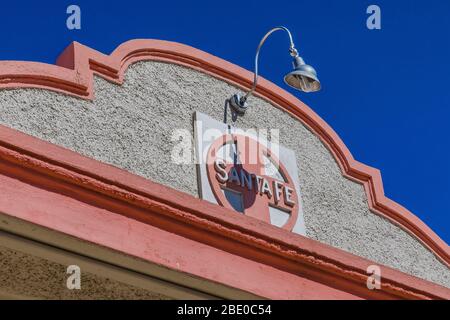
(292, 51)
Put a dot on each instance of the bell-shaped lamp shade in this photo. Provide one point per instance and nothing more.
(303, 78)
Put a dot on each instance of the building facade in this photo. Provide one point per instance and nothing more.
(93, 175)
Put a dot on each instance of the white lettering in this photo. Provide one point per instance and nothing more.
(288, 196)
(265, 188)
(277, 187)
(246, 179)
(188, 310)
(234, 176)
(221, 175)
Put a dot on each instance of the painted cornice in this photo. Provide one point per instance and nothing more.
(73, 75)
(33, 162)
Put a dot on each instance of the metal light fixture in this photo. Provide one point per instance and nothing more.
(303, 77)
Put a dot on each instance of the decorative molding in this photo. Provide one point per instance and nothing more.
(73, 75)
(49, 167)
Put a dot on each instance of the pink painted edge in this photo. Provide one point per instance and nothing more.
(56, 159)
(73, 75)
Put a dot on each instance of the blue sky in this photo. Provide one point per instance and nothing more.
(385, 92)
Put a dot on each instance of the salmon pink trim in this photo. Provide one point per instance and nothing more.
(73, 74)
(110, 207)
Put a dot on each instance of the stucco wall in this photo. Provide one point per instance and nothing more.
(131, 126)
(29, 277)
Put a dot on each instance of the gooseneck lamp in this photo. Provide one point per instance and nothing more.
(303, 77)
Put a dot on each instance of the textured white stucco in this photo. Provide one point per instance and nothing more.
(131, 126)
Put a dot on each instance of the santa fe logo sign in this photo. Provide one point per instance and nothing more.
(241, 171)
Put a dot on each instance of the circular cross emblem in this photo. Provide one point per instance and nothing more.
(242, 166)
